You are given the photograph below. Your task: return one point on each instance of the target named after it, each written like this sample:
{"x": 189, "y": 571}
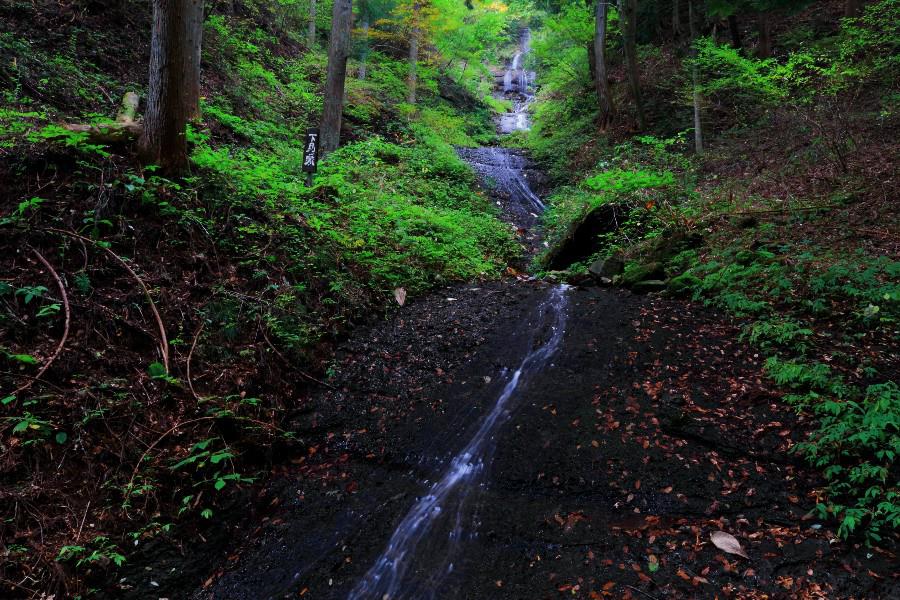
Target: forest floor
{"x": 652, "y": 428}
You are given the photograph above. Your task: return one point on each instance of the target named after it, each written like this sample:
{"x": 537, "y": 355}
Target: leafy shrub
{"x": 857, "y": 445}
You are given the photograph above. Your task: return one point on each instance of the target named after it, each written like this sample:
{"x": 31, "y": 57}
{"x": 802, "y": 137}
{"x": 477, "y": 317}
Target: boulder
{"x": 584, "y": 238}
{"x": 635, "y": 272}
{"x": 607, "y": 267}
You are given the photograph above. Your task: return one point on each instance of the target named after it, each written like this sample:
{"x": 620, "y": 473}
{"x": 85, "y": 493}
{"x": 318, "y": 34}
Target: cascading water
{"x": 404, "y": 570}
{"x": 517, "y": 87}
{"x": 407, "y": 568}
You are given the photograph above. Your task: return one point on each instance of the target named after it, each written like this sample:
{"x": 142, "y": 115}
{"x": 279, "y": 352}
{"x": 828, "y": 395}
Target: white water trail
{"x": 387, "y": 578}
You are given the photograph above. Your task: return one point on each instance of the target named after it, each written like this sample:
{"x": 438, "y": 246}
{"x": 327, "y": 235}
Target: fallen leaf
{"x": 727, "y": 543}
{"x": 400, "y": 296}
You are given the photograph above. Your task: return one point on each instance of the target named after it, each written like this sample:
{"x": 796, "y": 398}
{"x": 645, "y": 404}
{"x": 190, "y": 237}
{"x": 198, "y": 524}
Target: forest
{"x": 449, "y": 299}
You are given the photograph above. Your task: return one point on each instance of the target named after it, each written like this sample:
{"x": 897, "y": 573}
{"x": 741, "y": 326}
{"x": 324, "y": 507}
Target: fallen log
{"x": 125, "y": 128}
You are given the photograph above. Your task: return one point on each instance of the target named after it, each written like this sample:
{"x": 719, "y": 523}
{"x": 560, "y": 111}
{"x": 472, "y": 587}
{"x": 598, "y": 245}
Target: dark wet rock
{"x": 583, "y": 238}
{"x": 648, "y": 285}
{"x": 608, "y": 267}
{"x": 635, "y": 272}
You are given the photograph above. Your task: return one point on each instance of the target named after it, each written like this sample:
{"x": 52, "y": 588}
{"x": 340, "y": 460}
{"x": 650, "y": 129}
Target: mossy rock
{"x": 635, "y": 272}
{"x": 683, "y": 284}
{"x": 649, "y": 285}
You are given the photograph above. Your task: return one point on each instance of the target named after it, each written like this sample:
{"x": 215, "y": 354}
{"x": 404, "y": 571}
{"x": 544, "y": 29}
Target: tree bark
{"x": 311, "y": 31}
{"x": 412, "y": 80}
{"x": 163, "y": 141}
{"x": 735, "y": 30}
{"x": 338, "y": 52}
{"x": 695, "y": 76}
{"x": 601, "y": 79}
{"x": 194, "y": 29}
{"x": 764, "y": 49}
{"x": 364, "y": 57}
{"x": 592, "y": 58}
{"x": 676, "y": 19}
{"x": 628, "y": 12}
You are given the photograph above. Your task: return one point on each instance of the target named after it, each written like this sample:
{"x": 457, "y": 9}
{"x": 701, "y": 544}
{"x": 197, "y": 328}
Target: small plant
{"x": 99, "y": 550}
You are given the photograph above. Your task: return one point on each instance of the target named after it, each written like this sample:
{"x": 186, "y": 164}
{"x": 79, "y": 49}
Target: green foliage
{"x": 857, "y": 445}
{"x": 99, "y": 550}
{"x": 625, "y": 183}
{"x": 745, "y": 84}
{"x": 779, "y": 333}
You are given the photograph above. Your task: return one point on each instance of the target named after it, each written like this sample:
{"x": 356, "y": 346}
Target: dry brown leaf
{"x": 727, "y": 543}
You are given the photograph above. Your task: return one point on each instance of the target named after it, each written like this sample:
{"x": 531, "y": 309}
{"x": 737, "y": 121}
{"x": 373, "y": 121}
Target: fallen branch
{"x": 65, "y": 335}
{"x": 785, "y": 209}
{"x": 124, "y": 129}
{"x": 164, "y": 341}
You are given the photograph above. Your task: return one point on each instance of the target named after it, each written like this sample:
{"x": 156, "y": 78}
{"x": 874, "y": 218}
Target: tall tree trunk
{"x": 601, "y": 79}
{"x": 412, "y": 80}
{"x": 628, "y": 10}
{"x": 695, "y": 76}
{"x": 311, "y": 31}
{"x": 734, "y": 28}
{"x": 338, "y": 52}
{"x": 764, "y": 49}
{"x": 676, "y": 19}
{"x": 592, "y": 57}
{"x": 364, "y": 57}
{"x": 163, "y": 141}
{"x": 194, "y": 26}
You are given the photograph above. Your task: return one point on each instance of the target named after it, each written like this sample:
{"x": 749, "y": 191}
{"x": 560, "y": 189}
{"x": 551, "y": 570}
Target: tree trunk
{"x": 734, "y": 28}
{"x": 695, "y": 76}
{"x": 365, "y": 49}
{"x": 592, "y": 58}
{"x": 311, "y": 31}
{"x": 764, "y": 49}
{"x": 601, "y": 80}
{"x": 412, "y": 80}
{"x": 338, "y": 52}
{"x": 628, "y": 11}
{"x": 163, "y": 141}
{"x": 676, "y": 19}
{"x": 194, "y": 26}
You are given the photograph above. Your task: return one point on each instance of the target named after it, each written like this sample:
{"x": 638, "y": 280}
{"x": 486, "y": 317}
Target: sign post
{"x": 310, "y": 154}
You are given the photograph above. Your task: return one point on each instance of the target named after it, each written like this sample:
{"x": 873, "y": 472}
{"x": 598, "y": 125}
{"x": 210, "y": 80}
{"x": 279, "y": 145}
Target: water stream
{"x": 421, "y": 552}
{"x": 406, "y": 569}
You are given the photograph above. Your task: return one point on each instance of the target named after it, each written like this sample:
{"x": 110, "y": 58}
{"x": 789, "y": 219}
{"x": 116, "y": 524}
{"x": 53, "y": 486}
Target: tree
{"x": 174, "y": 83}
{"x": 628, "y": 14}
{"x": 695, "y": 77}
{"x": 338, "y": 53}
{"x": 412, "y": 80}
{"x": 194, "y": 29}
{"x": 364, "y": 10}
{"x": 311, "y": 31}
{"x": 601, "y": 79}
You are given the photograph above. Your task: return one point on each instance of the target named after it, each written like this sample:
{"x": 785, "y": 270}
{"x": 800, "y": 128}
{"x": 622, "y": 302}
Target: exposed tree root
{"x": 164, "y": 341}
{"x": 65, "y": 335}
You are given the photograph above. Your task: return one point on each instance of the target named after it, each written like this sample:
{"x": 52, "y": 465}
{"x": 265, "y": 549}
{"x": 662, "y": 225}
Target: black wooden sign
{"x": 311, "y": 151}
